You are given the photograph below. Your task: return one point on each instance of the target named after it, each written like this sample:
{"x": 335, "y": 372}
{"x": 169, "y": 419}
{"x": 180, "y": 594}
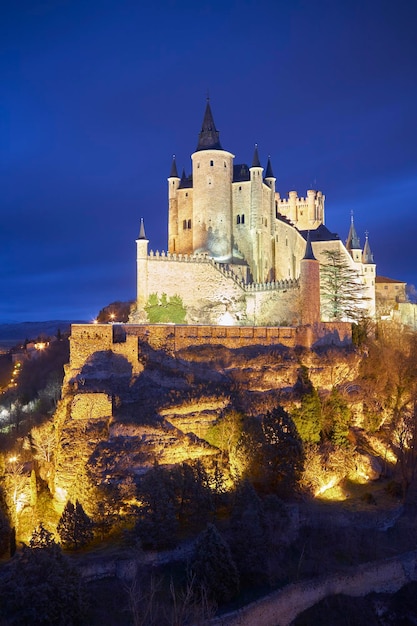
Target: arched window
{"x": 184, "y": 224}
{"x": 189, "y": 223}
{"x": 211, "y": 163}
{"x": 243, "y": 218}
{"x": 238, "y": 219}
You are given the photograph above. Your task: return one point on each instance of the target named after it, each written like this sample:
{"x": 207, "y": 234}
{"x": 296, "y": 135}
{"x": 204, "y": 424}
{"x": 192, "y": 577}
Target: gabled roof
{"x": 385, "y": 279}
{"x": 208, "y": 138}
{"x": 240, "y": 173}
{"x": 321, "y": 233}
{"x": 186, "y": 182}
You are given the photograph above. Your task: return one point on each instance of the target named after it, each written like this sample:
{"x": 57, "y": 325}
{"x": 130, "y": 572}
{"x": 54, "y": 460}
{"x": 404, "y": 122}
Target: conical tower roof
{"x": 269, "y": 173}
{"x": 309, "y": 254}
{"x": 255, "y": 161}
{"x": 174, "y": 172}
{"x": 367, "y": 256}
{"x": 208, "y": 138}
{"x": 352, "y": 242}
{"x": 142, "y": 230}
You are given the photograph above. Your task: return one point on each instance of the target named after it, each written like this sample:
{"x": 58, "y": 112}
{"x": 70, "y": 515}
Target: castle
{"x": 238, "y": 252}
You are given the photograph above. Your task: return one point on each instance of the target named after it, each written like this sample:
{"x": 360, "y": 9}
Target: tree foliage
{"x": 212, "y": 566}
{"x": 75, "y": 528}
{"x": 248, "y": 540}
{"x": 270, "y": 452}
{"x": 308, "y": 417}
{"x": 115, "y": 312}
{"x": 163, "y": 309}
{"x": 342, "y": 293}
{"x": 40, "y": 587}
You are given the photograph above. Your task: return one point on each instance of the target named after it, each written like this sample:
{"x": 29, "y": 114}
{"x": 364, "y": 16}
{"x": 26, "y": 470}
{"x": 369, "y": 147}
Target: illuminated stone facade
{"x": 236, "y": 247}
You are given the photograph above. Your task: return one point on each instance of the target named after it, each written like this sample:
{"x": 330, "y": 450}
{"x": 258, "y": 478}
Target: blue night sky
{"x": 97, "y": 95}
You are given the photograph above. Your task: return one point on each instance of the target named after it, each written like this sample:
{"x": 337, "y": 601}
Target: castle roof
{"x": 208, "y": 138}
{"x": 309, "y": 254}
{"x": 367, "y": 256}
{"x": 385, "y": 279}
{"x": 269, "y": 173}
{"x": 240, "y": 173}
{"x": 186, "y": 182}
{"x": 321, "y": 233}
{"x": 174, "y": 172}
{"x": 352, "y": 242}
{"x": 142, "y": 230}
{"x": 255, "y": 161}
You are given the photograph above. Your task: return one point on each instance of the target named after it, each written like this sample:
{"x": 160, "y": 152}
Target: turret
{"x": 212, "y": 195}
{"x": 367, "y": 256}
{"x": 256, "y": 180}
{"x": 309, "y": 286}
{"x": 173, "y": 184}
{"x": 270, "y": 180}
{"x": 142, "y": 267}
{"x": 353, "y": 244}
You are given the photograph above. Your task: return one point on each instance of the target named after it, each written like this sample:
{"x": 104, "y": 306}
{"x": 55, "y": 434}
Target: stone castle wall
{"x": 124, "y": 339}
{"x": 210, "y": 291}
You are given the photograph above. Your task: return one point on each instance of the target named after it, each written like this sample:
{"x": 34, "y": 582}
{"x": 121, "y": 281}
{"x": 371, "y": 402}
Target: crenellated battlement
{"x": 225, "y": 269}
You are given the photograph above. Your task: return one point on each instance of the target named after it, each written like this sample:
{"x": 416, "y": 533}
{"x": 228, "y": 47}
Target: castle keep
{"x": 238, "y": 252}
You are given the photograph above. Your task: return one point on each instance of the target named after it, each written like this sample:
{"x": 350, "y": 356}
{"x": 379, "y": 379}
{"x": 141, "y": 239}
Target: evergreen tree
{"x": 40, "y": 587}
{"x": 270, "y": 452}
{"x": 337, "y": 419}
{"x": 42, "y": 538}
{"x": 157, "y": 523}
{"x": 74, "y": 527}
{"x": 308, "y": 418}
{"x": 342, "y": 293}
{"x": 248, "y": 540}
{"x": 212, "y": 567}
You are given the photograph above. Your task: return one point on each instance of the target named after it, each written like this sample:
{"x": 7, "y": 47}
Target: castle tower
{"x": 309, "y": 286}
{"x": 173, "y": 184}
{"x": 270, "y": 180}
{"x": 353, "y": 244}
{"x": 142, "y": 267}
{"x": 212, "y": 193}
{"x": 369, "y": 274}
{"x": 256, "y": 182}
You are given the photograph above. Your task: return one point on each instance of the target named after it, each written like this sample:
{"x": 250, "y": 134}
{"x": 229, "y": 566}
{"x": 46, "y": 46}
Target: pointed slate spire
{"x": 352, "y": 242}
{"x": 255, "y": 161}
{"x": 367, "y": 256}
{"x": 309, "y": 254}
{"x": 208, "y": 138}
{"x": 174, "y": 172}
{"x": 142, "y": 230}
{"x": 269, "y": 173}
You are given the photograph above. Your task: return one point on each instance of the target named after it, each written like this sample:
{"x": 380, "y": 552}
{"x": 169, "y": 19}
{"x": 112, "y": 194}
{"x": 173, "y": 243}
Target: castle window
{"x": 286, "y": 241}
{"x": 238, "y": 219}
{"x": 198, "y": 166}
{"x": 211, "y": 163}
{"x": 243, "y": 218}
{"x": 225, "y": 164}
{"x": 186, "y": 195}
{"x": 184, "y": 224}
{"x": 266, "y": 222}
{"x": 189, "y": 224}
{"x": 240, "y": 188}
